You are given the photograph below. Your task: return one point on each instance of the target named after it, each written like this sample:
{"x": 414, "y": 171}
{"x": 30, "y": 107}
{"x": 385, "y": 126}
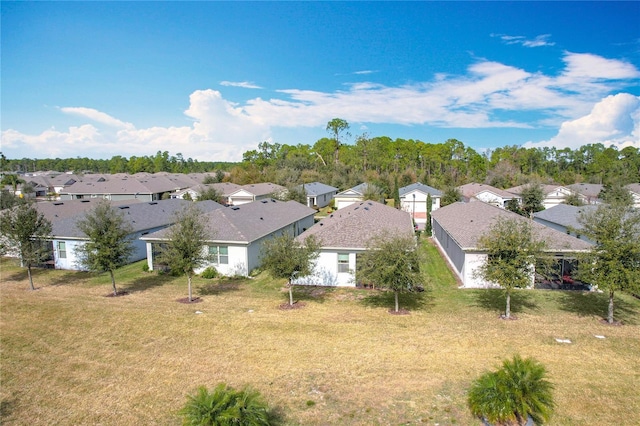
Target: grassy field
{"x": 72, "y": 356}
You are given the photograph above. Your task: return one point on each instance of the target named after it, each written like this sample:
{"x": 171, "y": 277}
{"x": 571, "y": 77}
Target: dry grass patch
{"x": 72, "y": 356}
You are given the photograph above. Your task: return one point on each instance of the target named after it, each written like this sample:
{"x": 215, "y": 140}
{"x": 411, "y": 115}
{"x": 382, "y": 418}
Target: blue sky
{"x": 211, "y": 80}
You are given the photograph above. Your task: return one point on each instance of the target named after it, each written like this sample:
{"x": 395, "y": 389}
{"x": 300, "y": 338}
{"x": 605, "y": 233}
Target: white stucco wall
{"x": 326, "y": 270}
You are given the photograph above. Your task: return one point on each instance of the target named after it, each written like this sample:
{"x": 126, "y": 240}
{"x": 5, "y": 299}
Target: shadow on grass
{"x": 146, "y": 282}
{"x": 408, "y": 301}
{"x": 586, "y": 304}
{"x": 218, "y": 287}
{"x": 71, "y": 277}
{"x": 496, "y": 300}
{"x": 305, "y": 293}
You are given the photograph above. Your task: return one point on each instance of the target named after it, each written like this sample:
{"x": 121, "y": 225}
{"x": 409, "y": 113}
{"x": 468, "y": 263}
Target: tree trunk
{"x": 610, "y": 311}
{"x": 290, "y": 293}
{"x": 396, "y": 297}
{"x": 113, "y": 283}
{"x": 30, "y": 277}
{"x": 507, "y": 312}
{"x": 189, "y": 281}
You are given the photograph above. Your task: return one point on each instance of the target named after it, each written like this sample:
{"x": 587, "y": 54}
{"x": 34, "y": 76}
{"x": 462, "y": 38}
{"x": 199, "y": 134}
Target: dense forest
{"x": 382, "y": 161}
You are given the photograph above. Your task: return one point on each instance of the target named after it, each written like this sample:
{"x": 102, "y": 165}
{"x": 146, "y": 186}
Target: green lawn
{"x": 71, "y": 355}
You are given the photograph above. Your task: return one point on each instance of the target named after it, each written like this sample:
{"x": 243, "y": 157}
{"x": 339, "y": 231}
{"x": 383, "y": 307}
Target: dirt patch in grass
{"x": 612, "y": 324}
{"x": 289, "y": 307}
{"x": 118, "y": 293}
{"x": 399, "y": 312}
{"x": 186, "y": 300}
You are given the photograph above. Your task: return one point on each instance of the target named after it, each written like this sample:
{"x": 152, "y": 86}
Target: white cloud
{"x": 95, "y": 115}
{"x": 538, "y": 41}
{"x": 223, "y": 130}
{"x": 243, "y": 84}
{"x": 614, "y": 121}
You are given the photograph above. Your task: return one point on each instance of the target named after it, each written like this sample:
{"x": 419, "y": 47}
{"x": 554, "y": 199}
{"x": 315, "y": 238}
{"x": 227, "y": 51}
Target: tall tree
{"x": 185, "y": 249}
{"x": 393, "y": 263}
{"x": 284, "y": 257}
{"x": 109, "y": 246}
{"x": 512, "y": 252}
{"x": 336, "y": 127}
{"x": 26, "y": 231}
{"x": 613, "y": 263}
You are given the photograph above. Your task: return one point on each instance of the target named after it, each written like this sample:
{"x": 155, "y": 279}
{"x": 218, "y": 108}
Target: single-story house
{"x": 144, "y": 218}
{"x": 318, "y": 194}
{"x": 345, "y": 234}
{"x": 590, "y": 191}
{"x": 564, "y": 218}
{"x": 413, "y": 199}
{"x": 236, "y": 234}
{"x": 487, "y": 194}
{"x": 553, "y": 194}
{"x": 225, "y": 189}
{"x": 127, "y": 187}
{"x": 254, "y": 192}
{"x": 355, "y": 195}
{"x": 458, "y": 227}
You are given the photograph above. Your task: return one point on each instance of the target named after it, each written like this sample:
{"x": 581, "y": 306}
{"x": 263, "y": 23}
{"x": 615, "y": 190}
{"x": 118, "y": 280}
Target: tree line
{"x": 339, "y": 161}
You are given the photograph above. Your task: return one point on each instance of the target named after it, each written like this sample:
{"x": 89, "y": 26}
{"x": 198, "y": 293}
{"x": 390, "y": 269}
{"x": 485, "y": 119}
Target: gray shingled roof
{"x": 546, "y": 189}
{"x": 564, "y": 215}
{"x": 634, "y": 187}
{"x": 419, "y": 187}
{"x": 140, "y": 215}
{"x": 317, "y": 188}
{"x": 472, "y": 189}
{"x": 591, "y": 190}
{"x": 467, "y": 222}
{"x": 248, "y": 222}
{"x": 353, "y": 226}
{"x": 258, "y": 189}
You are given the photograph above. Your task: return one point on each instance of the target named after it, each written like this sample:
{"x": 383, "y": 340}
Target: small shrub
{"x": 512, "y": 394}
{"x": 225, "y": 406}
{"x": 209, "y": 273}
{"x": 145, "y": 267}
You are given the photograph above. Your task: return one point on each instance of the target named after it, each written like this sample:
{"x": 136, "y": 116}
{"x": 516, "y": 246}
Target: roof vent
{"x": 58, "y": 204}
{"x": 235, "y": 208}
{"x": 366, "y": 208}
{"x": 153, "y": 203}
{"x": 123, "y": 207}
{"x": 84, "y": 201}
{"x": 264, "y": 201}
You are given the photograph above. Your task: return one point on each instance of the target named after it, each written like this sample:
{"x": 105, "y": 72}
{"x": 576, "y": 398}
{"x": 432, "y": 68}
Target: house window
{"x": 219, "y": 254}
{"x": 343, "y": 262}
{"x": 62, "y": 249}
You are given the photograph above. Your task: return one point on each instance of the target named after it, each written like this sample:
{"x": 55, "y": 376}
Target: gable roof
{"x": 591, "y": 190}
{"x": 357, "y": 190}
{"x": 258, "y": 189}
{"x": 354, "y": 225}
{"x": 140, "y": 215}
{"x": 419, "y": 187}
{"x": 472, "y": 189}
{"x": 467, "y": 222}
{"x": 546, "y": 189}
{"x": 316, "y": 188}
{"x": 248, "y": 222}
{"x": 564, "y": 215}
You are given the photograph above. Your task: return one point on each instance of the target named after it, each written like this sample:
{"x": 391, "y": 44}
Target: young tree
{"x": 532, "y": 197}
{"x": 613, "y": 263}
{"x": 615, "y": 194}
{"x": 573, "y": 199}
{"x": 450, "y": 195}
{"x": 392, "y": 262}
{"x": 109, "y": 246}
{"x": 512, "y": 252}
{"x": 12, "y": 180}
{"x": 185, "y": 249}
{"x": 284, "y": 257}
{"x": 513, "y": 394}
{"x": 210, "y": 194}
{"x": 26, "y": 231}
